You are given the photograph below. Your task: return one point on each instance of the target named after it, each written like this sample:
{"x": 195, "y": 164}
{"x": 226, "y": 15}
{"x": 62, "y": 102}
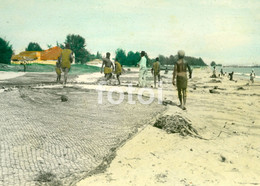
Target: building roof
{"x": 51, "y": 53}
{"x": 26, "y": 55}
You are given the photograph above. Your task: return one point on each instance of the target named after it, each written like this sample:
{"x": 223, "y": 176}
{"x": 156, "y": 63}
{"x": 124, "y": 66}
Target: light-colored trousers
{"x": 142, "y": 77}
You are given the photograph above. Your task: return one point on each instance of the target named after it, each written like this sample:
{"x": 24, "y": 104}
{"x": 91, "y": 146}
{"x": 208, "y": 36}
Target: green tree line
{"x": 132, "y": 59}
{"x": 82, "y": 55}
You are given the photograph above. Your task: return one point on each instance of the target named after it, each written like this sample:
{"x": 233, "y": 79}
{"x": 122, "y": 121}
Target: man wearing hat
{"x": 180, "y": 70}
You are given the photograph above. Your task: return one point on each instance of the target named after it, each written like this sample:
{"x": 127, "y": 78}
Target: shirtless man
{"x": 118, "y": 70}
{"x": 109, "y": 66}
{"x": 156, "y": 71}
{"x": 180, "y": 70}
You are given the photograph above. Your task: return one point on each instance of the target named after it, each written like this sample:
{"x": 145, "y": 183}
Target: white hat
{"x": 181, "y": 53}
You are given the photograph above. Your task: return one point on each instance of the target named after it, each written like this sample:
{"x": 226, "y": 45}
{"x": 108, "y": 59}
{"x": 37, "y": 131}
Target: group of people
{"x": 109, "y": 68}
{"x": 179, "y": 71}
{"x": 231, "y": 74}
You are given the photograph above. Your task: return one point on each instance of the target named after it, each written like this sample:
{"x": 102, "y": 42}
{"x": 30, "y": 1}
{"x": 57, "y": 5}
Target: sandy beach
{"x": 229, "y": 121}
{"x": 132, "y": 151}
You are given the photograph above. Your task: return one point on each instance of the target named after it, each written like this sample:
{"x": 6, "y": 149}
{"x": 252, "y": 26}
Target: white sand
{"x": 8, "y": 75}
{"x": 231, "y": 156}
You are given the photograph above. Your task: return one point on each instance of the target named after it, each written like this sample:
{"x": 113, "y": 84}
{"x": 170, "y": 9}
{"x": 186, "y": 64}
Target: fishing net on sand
{"x": 176, "y": 124}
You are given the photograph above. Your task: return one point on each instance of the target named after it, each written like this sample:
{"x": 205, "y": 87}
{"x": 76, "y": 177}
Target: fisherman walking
{"x": 180, "y": 70}
{"x": 156, "y": 72}
{"x": 66, "y": 58}
{"x": 108, "y": 66}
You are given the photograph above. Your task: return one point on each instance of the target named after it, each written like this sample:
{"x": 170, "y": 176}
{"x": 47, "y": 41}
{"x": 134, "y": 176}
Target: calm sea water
{"x": 241, "y": 72}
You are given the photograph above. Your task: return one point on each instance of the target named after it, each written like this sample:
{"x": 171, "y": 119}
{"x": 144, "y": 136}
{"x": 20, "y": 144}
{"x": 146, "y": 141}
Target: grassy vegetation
{"x": 75, "y": 69}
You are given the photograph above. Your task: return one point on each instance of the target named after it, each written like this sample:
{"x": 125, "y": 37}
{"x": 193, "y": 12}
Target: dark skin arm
{"x": 102, "y": 67}
{"x": 190, "y": 71}
{"x": 71, "y": 57}
{"x": 113, "y": 68}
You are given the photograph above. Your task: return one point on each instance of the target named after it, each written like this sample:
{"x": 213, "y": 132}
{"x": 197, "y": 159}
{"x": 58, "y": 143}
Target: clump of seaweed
{"x": 176, "y": 124}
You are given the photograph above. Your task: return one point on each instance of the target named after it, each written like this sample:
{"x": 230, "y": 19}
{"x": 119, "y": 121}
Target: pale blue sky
{"x": 226, "y": 31}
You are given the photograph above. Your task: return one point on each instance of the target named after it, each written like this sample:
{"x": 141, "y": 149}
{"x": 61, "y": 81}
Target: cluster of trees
{"x": 129, "y": 59}
{"x": 6, "y": 51}
{"x": 171, "y": 60}
{"x": 33, "y": 47}
{"x": 82, "y": 55}
{"x": 132, "y": 58}
{"x": 77, "y": 45}
{"x": 213, "y": 63}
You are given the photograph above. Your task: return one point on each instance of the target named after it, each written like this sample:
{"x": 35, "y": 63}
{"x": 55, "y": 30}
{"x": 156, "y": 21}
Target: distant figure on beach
{"x": 118, "y": 70}
{"x": 142, "y": 70}
{"x": 166, "y": 71}
{"x": 252, "y": 76}
{"x": 214, "y": 72}
{"x": 66, "y": 58}
{"x": 221, "y": 72}
{"x": 58, "y": 71}
{"x": 123, "y": 70}
{"x": 24, "y": 64}
{"x": 231, "y": 75}
{"x": 156, "y": 71}
{"x": 180, "y": 70}
{"x": 109, "y": 67}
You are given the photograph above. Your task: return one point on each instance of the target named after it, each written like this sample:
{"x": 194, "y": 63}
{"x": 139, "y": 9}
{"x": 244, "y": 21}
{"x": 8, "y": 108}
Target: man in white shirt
{"x": 142, "y": 70}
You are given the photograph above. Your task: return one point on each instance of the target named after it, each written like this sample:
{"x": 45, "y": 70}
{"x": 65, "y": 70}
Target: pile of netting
{"x": 176, "y": 124}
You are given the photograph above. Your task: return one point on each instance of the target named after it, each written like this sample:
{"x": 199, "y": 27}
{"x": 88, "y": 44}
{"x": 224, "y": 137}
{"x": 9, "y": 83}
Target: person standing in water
{"x": 231, "y": 76}
{"x": 180, "y": 71}
{"x": 252, "y": 76}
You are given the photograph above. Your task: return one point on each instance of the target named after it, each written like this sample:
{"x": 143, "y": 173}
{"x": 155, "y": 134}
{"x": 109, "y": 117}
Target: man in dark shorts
{"x": 180, "y": 70}
{"x": 156, "y": 71}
